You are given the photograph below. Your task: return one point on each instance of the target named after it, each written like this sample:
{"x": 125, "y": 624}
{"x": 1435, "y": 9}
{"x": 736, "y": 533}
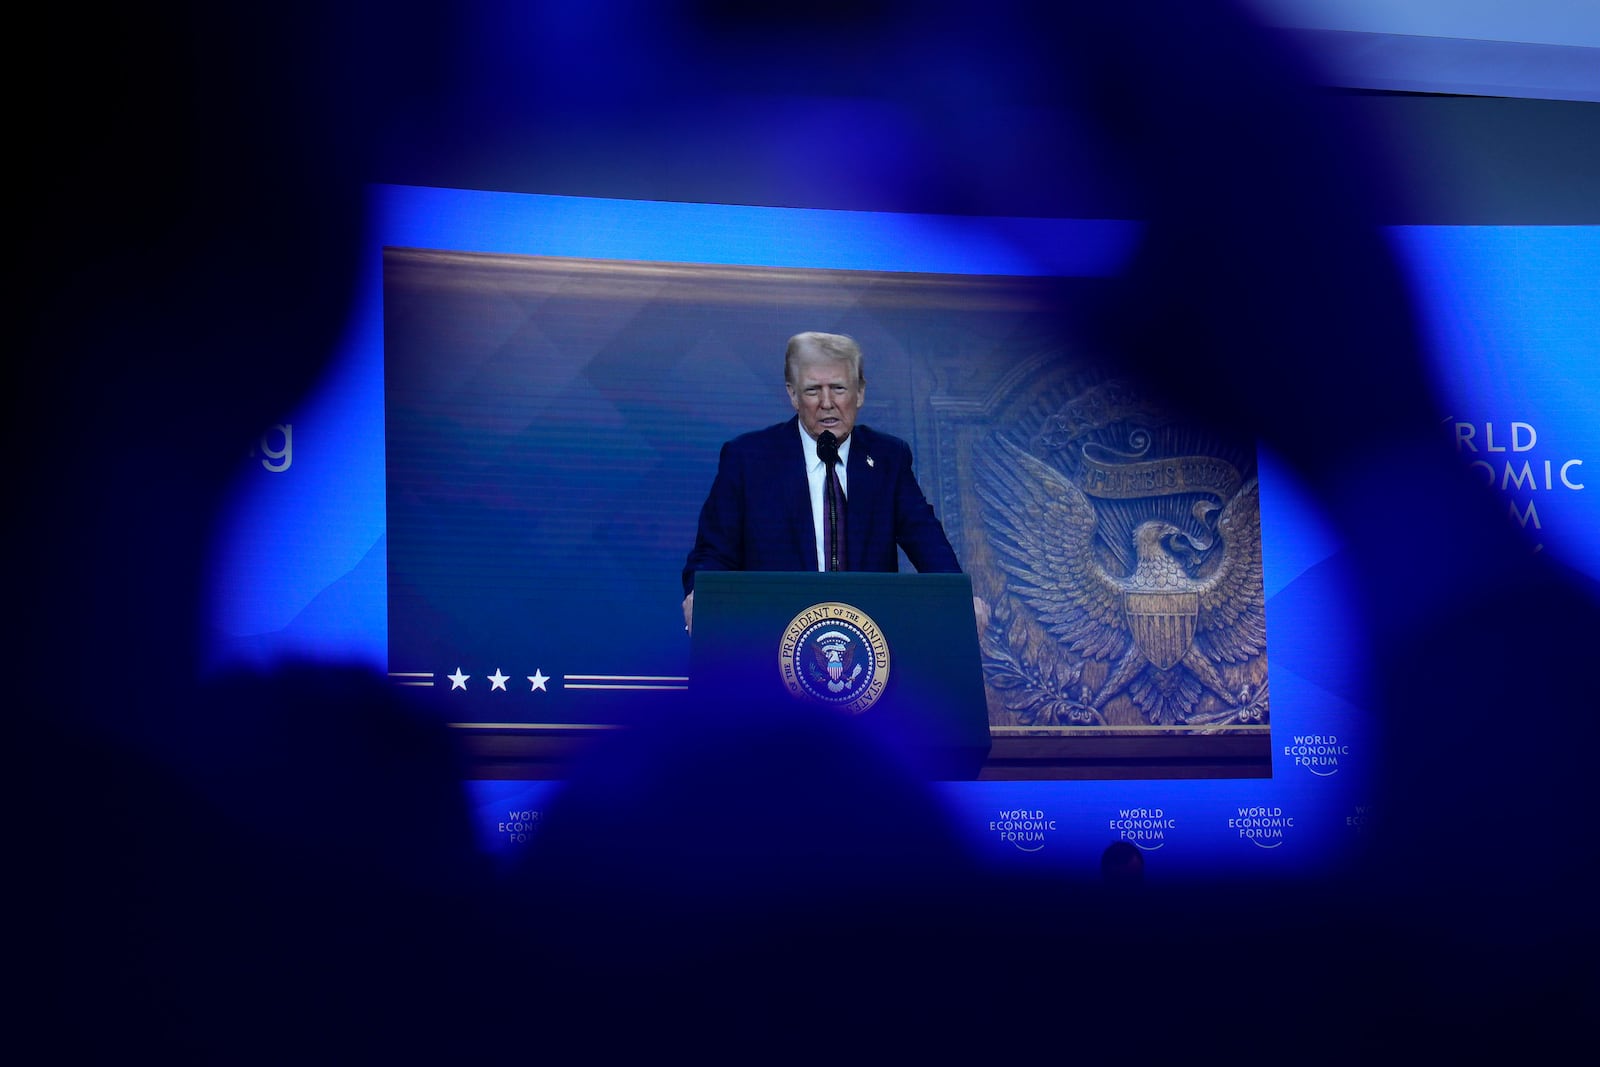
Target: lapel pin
{"x": 869, "y": 461}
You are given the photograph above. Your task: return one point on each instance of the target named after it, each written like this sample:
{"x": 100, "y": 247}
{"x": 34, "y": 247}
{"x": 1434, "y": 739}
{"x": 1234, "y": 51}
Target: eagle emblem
{"x": 1162, "y": 630}
{"x": 835, "y": 654}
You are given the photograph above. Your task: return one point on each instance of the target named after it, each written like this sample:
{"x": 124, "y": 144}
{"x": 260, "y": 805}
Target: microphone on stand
{"x": 832, "y": 503}
{"x": 827, "y": 447}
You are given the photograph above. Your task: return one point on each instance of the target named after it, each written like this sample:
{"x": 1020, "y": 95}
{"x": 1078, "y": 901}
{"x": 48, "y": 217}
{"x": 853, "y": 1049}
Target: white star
{"x": 538, "y": 678}
{"x": 458, "y": 680}
{"x": 498, "y": 681}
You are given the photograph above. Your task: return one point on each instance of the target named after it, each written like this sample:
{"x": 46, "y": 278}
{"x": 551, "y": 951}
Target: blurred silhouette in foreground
{"x": 1122, "y": 864}
{"x": 267, "y": 864}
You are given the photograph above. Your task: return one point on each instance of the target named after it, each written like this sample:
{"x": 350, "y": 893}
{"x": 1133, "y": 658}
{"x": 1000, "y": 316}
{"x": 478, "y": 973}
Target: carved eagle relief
{"x": 1187, "y": 605}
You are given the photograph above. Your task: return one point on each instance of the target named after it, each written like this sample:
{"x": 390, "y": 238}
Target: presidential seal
{"x": 835, "y": 654}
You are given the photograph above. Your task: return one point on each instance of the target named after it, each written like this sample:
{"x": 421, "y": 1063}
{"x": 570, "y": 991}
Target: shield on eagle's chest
{"x": 1162, "y": 625}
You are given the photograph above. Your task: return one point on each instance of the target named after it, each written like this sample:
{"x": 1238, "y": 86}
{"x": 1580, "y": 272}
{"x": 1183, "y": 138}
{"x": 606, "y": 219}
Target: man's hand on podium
{"x": 688, "y": 613}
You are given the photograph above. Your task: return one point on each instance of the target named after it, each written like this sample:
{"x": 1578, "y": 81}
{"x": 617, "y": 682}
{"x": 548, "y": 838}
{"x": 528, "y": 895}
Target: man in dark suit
{"x": 766, "y": 508}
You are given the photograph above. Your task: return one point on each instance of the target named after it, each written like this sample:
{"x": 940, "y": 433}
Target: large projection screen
{"x": 501, "y": 477}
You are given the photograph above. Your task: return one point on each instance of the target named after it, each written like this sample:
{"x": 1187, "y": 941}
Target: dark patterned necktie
{"x": 833, "y": 504}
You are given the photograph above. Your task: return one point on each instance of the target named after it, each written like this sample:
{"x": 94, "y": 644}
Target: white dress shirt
{"x": 816, "y": 472}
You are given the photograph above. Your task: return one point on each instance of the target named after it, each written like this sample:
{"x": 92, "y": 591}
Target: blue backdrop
{"x": 301, "y": 565}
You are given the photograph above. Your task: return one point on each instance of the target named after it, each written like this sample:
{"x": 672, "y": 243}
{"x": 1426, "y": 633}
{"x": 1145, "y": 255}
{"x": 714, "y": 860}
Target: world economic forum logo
{"x": 835, "y": 654}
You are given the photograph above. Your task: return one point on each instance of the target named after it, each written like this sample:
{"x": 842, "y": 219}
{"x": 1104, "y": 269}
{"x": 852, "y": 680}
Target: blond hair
{"x": 825, "y": 345}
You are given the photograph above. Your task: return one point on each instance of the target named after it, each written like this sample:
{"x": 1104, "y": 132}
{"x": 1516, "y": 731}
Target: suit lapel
{"x": 796, "y": 491}
{"x": 862, "y": 491}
